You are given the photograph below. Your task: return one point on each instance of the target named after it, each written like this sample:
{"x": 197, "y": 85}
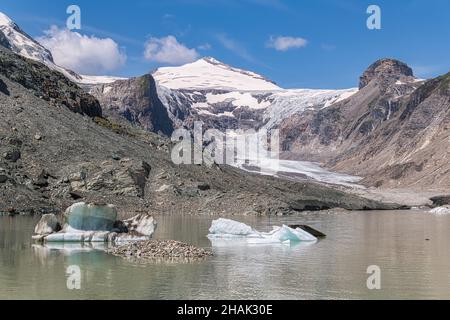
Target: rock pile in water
{"x": 160, "y": 249}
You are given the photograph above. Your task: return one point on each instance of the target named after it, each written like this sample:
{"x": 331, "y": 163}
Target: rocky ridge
{"x": 394, "y": 131}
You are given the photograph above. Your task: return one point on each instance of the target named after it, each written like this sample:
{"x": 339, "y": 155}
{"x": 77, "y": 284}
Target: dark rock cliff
{"x": 47, "y": 84}
{"x": 137, "y": 100}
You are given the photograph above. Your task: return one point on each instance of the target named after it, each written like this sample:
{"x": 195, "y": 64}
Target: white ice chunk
{"x": 229, "y": 229}
{"x": 440, "y": 210}
{"x": 285, "y": 233}
{"x": 91, "y": 217}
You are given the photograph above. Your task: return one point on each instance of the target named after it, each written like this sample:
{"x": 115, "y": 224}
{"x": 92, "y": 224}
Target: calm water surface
{"x": 334, "y": 268}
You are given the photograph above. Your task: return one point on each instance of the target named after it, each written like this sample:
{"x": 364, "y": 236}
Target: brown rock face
{"x": 385, "y": 69}
{"x": 47, "y": 84}
{"x": 394, "y": 132}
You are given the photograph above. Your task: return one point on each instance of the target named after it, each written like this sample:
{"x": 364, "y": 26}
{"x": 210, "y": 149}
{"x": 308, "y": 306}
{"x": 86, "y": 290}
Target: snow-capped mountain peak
{"x": 5, "y": 20}
{"x": 210, "y": 73}
{"x": 15, "y": 39}
{"x": 21, "y": 43}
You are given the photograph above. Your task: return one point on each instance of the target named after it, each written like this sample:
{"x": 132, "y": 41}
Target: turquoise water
{"x": 333, "y": 268}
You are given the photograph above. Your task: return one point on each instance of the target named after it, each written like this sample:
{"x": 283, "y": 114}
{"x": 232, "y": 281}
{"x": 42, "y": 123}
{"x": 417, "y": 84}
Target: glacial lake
{"x": 334, "y": 268}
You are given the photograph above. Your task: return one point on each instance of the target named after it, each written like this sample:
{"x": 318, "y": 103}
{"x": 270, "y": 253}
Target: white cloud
{"x": 169, "y": 50}
{"x": 235, "y": 47}
{"x": 205, "y": 46}
{"x": 83, "y": 54}
{"x": 428, "y": 71}
{"x": 286, "y": 43}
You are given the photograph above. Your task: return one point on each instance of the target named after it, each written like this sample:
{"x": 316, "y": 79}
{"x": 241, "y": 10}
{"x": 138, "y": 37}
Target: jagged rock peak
{"x": 385, "y": 69}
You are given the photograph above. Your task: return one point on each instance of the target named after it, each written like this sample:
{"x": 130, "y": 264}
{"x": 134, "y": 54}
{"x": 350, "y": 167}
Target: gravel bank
{"x": 159, "y": 249}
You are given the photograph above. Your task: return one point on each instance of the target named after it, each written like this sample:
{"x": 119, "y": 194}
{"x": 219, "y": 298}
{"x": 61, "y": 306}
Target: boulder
{"x": 441, "y": 200}
{"x": 42, "y": 179}
{"x": 204, "y": 186}
{"x": 48, "y": 224}
{"x": 13, "y": 155}
{"x": 3, "y": 178}
{"x": 90, "y": 217}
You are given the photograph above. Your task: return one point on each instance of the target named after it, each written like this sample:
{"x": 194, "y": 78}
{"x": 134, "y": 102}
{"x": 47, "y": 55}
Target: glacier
{"x": 233, "y": 230}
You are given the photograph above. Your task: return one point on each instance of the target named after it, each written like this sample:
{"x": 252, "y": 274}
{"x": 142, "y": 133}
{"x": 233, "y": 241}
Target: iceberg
{"x": 93, "y": 223}
{"x": 230, "y": 229}
{"x": 91, "y": 217}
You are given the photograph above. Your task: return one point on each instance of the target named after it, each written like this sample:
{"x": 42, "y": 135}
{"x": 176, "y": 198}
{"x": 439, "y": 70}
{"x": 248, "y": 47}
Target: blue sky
{"x": 339, "y": 46}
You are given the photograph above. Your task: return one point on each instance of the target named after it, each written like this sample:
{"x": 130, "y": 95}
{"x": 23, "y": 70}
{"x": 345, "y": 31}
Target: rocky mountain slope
{"x": 55, "y": 150}
{"x": 393, "y": 127}
{"x": 394, "y": 131}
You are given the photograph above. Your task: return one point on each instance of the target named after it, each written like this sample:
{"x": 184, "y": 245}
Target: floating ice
{"x": 91, "y": 223}
{"x": 441, "y": 210}
{"x": 229, "y": 229}
{"x": 90, "y": 217}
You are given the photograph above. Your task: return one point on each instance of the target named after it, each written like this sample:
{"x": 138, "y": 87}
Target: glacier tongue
{"x": 230, "y": 229}
{"x": 286, "y": 103}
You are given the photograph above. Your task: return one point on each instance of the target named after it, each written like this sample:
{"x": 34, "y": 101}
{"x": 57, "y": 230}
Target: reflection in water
{"x": 44, "y": 252}
{"x": 333, "y": 268}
